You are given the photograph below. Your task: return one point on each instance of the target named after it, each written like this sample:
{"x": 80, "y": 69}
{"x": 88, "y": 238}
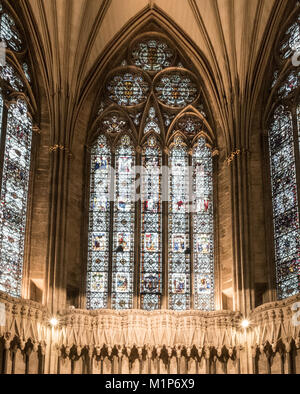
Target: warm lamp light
{"x": 245, "y": 323}
{"x": 53, "y": 322}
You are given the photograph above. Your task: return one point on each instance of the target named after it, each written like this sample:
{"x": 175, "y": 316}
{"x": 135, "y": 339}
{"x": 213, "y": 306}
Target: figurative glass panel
{"x": 9, "y": 33}
{"x": 14, "y": 195}
{"x": 179, "y": 228}
{"x": 151, "y": 227}
{"x": 99, "y": 225}
{"x": 9, "y": 74}
{"x": 123, "y": 228}
{"x": 285, "y": 204}
{"x": 203, "y": 227}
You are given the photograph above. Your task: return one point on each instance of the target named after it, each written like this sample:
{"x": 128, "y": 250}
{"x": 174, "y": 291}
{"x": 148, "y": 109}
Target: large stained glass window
{"x": 99, "y": 224}
{"x": 285, "y": 203}
{"x": 14, "y": 191}
{"x": 148, "y": 249}
{"x": 284, "y": 146}
{"x": 16, "y": 139}
{"x": 151, "y": 227}
{"x": 123, "y": 226}
{"x": 203, "y": 227}
{"x": 179, "y": 228}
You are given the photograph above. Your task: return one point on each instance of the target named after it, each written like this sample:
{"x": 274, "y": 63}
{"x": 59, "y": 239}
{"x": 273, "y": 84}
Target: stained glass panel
{"x": 1, "y": 113}
{"x": 291, "y": 40}
{"x": 189, "y": 125}
{"x": 99, "y": 225}
{"x": 123, "y": 229}
{"x": 291, "y": 83}
{"x": 152, "y": 55}
{"x": 9, "y": 74}
{"x": 285, "y": 204}
{"x": 14, "y": 191}
{"x": 128, "y": 89}
{"x": 179, "y": 228}
{"x": 114, "y": 123}
{"x": 203, "y": 228}
{"x": 151, "y": 228}
{"x": 152, "y": 122}
{"x": 9, "y": 33}
{"x": 176, "y": 89}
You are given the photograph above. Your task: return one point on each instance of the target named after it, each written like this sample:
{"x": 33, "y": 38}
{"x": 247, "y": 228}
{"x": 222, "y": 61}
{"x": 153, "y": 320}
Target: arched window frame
{"x": 19, "y": 62}
{"x": 282, "y": 95}
{"x": 166, "y": 117}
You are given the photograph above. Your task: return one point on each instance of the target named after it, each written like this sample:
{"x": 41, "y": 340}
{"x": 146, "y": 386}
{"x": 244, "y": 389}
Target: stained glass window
{"x": 179, "y": 228}
{"x": 175, "y": 269}
{"x": 176, "y": 89}
{"x": 99, "y": 225}
{"x": 152, "y": 55}
{"x": 14, "y": 190}
{"x": 128, "y": 89}
{"x": 203, "y": 227}
{"x": 123, "y": 227}
{"x": 1, "y": 113}
{"x": 151, "y": 227}
{"x": 285, "y": 204}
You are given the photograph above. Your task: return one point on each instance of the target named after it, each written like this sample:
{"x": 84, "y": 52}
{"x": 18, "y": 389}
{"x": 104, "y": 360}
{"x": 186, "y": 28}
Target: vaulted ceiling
{"x": 72, "y": 35}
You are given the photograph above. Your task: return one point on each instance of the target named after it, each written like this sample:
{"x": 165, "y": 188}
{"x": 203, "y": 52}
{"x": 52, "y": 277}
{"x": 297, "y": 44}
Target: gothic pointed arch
{"x": 282, "y": 119}
{"x": 151, "y": 261}
{"x": 18, "y": 113}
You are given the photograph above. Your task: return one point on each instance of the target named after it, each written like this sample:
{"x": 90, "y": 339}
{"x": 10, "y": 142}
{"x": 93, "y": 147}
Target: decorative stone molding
{"x": 162, "y": 335}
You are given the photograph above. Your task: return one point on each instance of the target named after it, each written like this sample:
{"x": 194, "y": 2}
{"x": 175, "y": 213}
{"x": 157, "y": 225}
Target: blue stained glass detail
{"x": 14, "y": 196}
{"x": 99, "y": 225}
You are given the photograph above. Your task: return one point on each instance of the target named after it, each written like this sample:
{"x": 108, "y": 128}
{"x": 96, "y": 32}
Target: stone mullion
{"x": 56, "y": 270}
{"x": 241, "y": 235}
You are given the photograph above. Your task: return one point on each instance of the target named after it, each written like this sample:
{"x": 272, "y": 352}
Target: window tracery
{"x": 152, "y": 93}
{"x": 16, "y": 132}
{"x": 284, "y": 156}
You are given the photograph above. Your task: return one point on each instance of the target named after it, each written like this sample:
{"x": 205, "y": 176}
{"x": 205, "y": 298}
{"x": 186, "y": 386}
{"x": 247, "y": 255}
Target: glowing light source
{"x": 53, "y": 321}
{"x": 245, "y": 323}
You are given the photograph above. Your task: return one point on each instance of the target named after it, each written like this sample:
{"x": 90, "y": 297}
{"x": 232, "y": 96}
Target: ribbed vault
{"x": 75, "y": 39}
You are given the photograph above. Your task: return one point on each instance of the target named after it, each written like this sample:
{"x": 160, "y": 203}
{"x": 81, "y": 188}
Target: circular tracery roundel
{"x": 128, "y": 88}
{"x": 152, "y": 54}
{"x": 176, "y": 89}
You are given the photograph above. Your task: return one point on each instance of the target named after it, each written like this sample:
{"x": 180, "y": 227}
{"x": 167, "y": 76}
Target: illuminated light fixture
{"x": 53, "y": 322}
{"x": 245, "y": 323}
